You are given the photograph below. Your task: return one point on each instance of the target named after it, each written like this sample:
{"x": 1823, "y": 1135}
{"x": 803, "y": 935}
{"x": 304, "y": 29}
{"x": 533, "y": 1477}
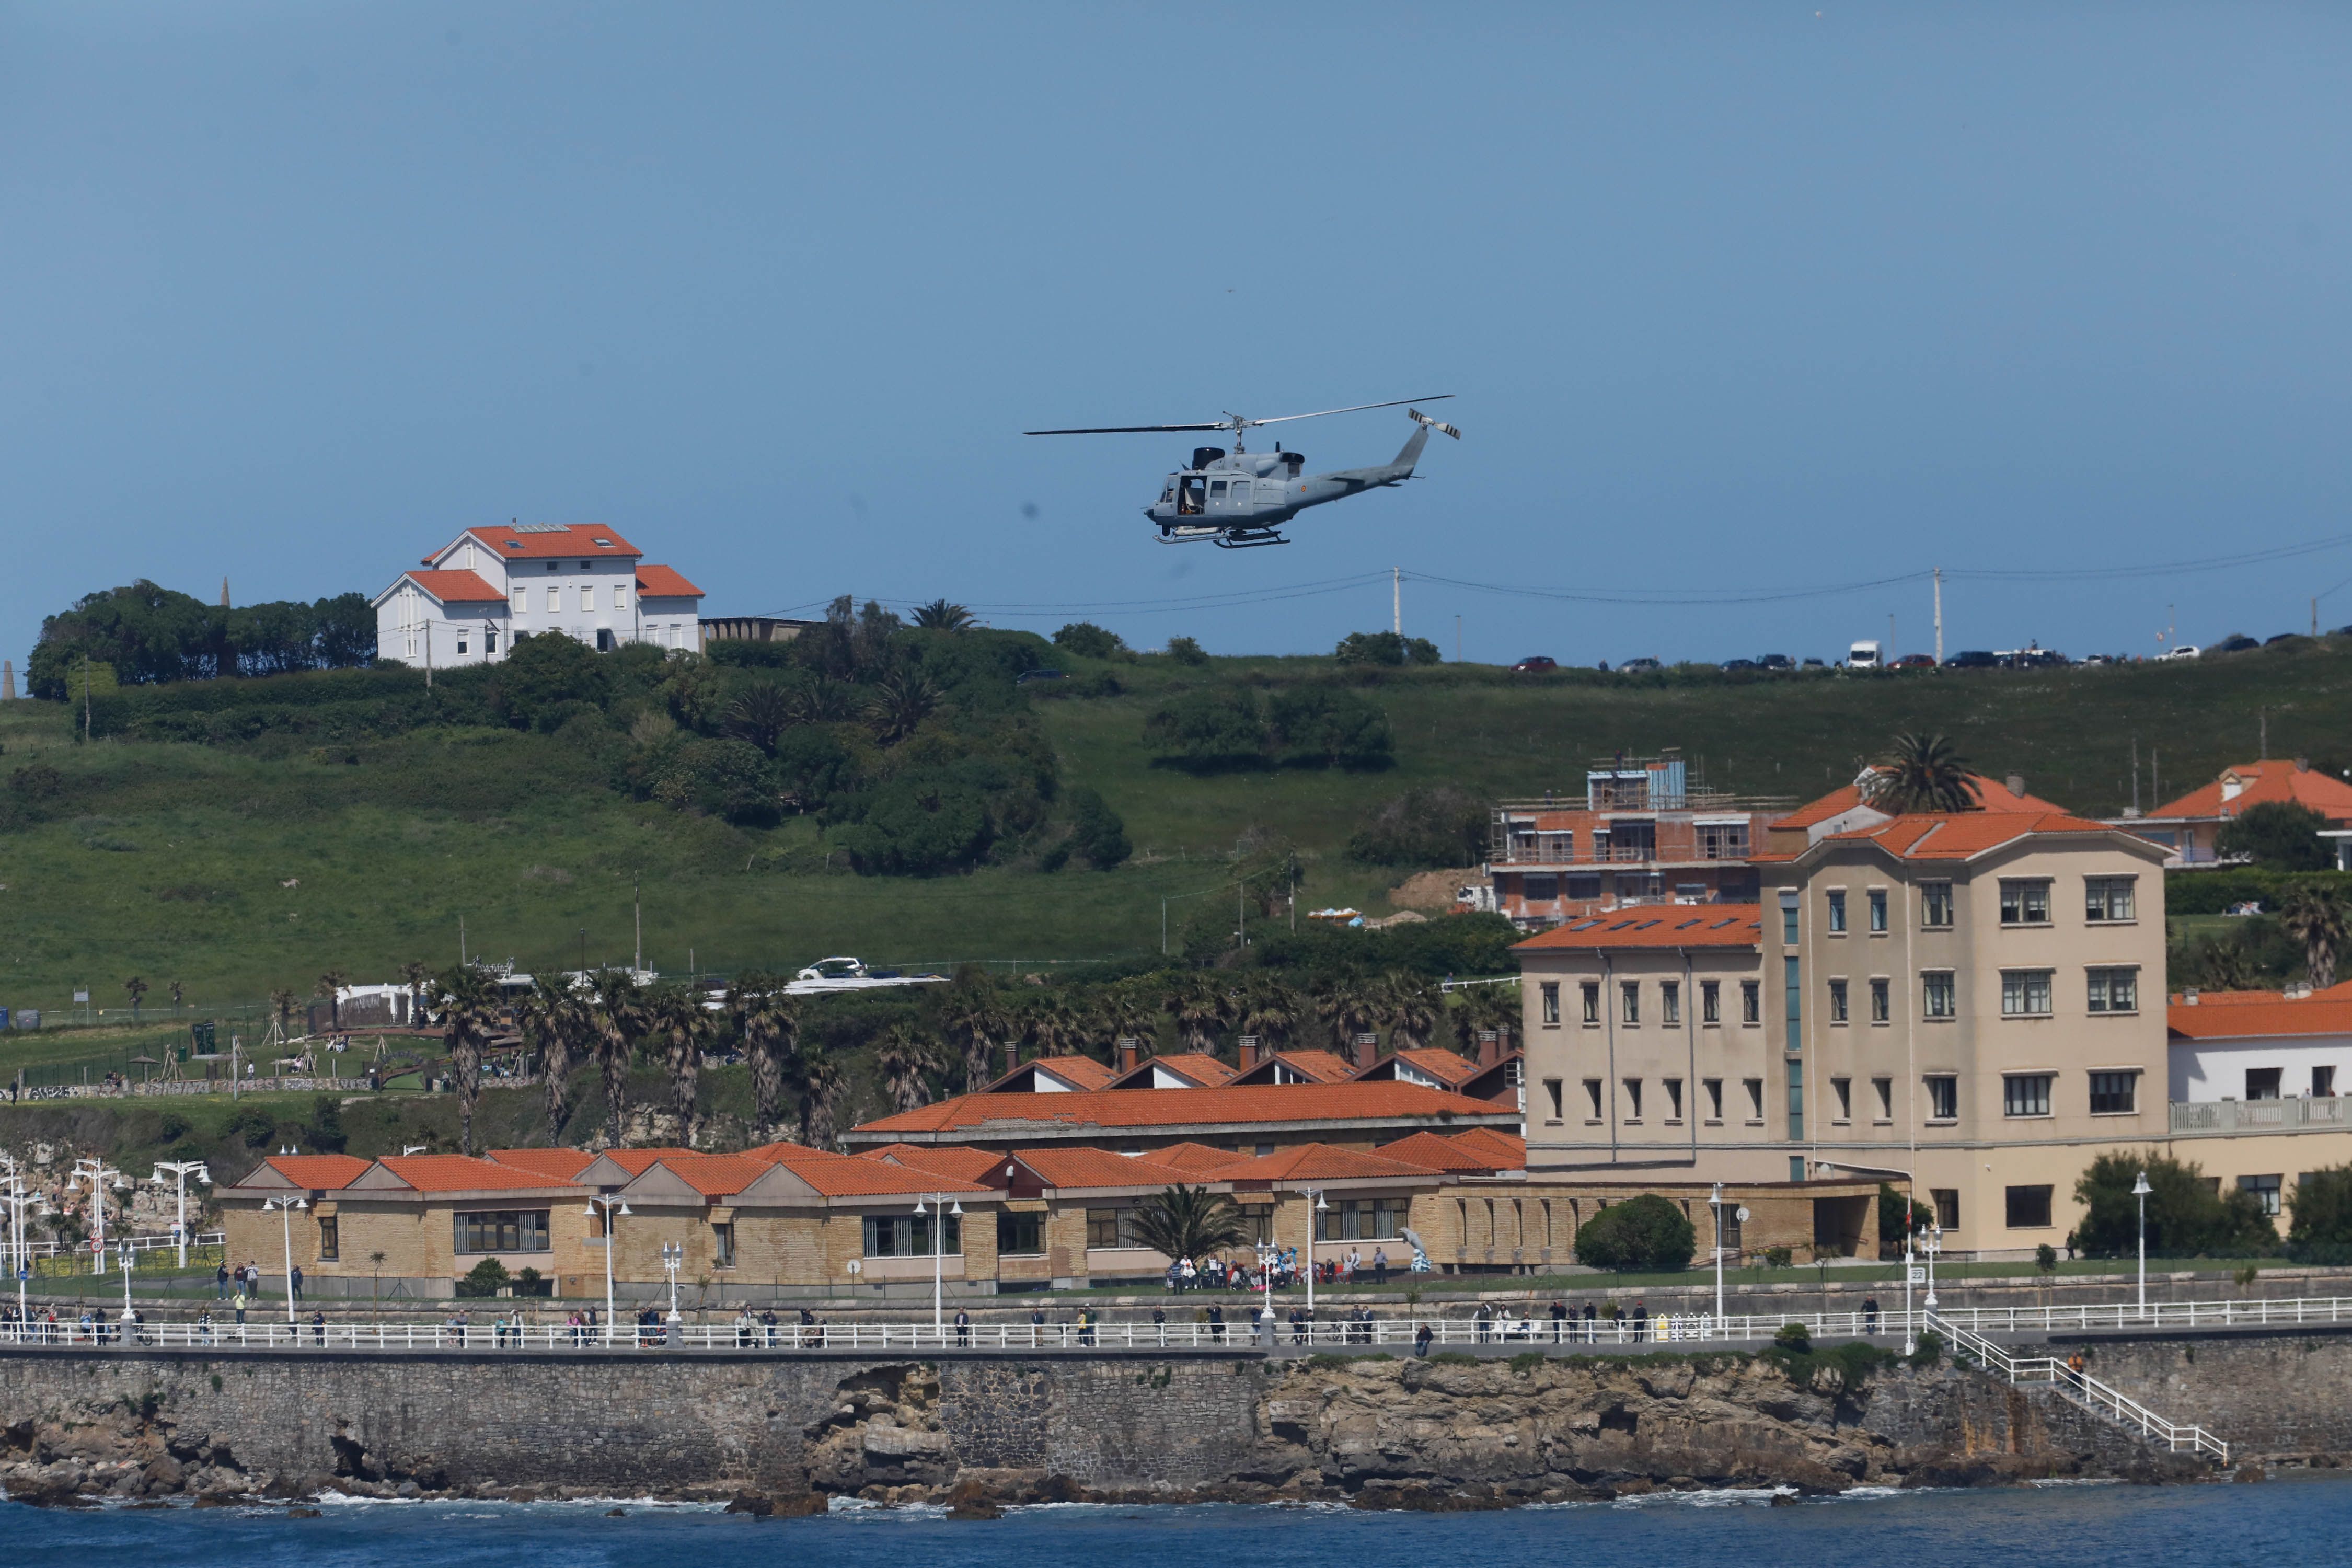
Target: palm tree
{"x": 331, "y": 986}
{"x": 1347, "y": 1012}
{"x": 762, "y": 713}
{"x": 817, "y": 700}
{"x": 820, "y": 1083}
{"x": 2313, "y": 915}
{"x": 764, "y": 1017}
{"x": 283, "y": 1000}
{"x": 1270, "y": 1012}
{"x": 901, "y": 701}
{"x": 905, "y": 1056}
{"x": 136, "y": 988}
{"x": 1408, "y": 1009}
{"x": 414, "y": 972}
{"x": 1128, "y": 1015}
{"x": 621, "y": 1023}
{"x": 678, "y": 1016}
{"x": 1200, "y": 1012}
{"x": 1922, "y": 773}
{"x": 549, "y": 1034}
{"x": 975, "y": 1015}
{"x": 1050, "y": 1025}
{"x": 470, "y": 1004}
{"x": 1187, "y": 1222}
{"x": 1482, "y": 1008}
{"x": 939, "y": 615}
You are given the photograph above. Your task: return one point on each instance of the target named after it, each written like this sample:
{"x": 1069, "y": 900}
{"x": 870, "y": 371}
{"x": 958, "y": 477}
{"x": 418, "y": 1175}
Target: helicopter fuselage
{"x": 1239, "y": 498}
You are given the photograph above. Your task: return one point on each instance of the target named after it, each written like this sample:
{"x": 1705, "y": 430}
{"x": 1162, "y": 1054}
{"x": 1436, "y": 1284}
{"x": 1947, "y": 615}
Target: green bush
{"x": 487, "y": 1278}
{"x": 2186, "y": 1218}
{"x": 1096, "y": 830}
{"x": 1329, "y": 726}
{"x": 1440, "y": 826}
{"x": 1384, "y": 647}
{"x": 1795, "y": 1337}
{"x": 1218, "y": 727}
{"x": 1642, "y": 1235}
{"x": 2278, "y": 836}
{"x": 1088, "y": 640}
{"x": 2319, "y": 1231}
{"x": 1185, "y": 650}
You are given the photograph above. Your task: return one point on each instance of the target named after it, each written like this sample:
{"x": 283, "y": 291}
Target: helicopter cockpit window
{"x": 1190, "y": 497}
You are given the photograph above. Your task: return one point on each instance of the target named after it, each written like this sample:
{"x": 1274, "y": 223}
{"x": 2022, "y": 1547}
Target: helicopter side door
{"x": 1191, "y": 495}
{"x": 1229, "y": 496}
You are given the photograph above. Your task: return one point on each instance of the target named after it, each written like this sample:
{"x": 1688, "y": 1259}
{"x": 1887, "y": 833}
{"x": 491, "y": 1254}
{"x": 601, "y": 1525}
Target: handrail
{"x": 2088, "y": 1389}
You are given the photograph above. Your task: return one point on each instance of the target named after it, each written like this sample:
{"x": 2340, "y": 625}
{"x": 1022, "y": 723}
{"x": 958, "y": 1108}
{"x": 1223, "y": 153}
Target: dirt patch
{"x": 1432, "y": 889}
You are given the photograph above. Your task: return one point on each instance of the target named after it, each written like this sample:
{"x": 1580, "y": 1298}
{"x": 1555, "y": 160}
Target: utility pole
{"x": 1940, "y": 616}
{"x": 637, "y": 905}
{"x": 1457, "y": 635}
{"x": 1396, "y": 600}
{"x": 2135, "y": 755}
{"x": 2315, "y": 615}
{"x": 1890, "y": 643}
{"x": 461, "y": 941}
{"x": 85, "y": 699}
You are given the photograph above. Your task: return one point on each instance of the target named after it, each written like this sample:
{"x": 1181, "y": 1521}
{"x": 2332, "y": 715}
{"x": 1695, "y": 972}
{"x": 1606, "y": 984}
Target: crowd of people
{"x": 1219, "y": 1273}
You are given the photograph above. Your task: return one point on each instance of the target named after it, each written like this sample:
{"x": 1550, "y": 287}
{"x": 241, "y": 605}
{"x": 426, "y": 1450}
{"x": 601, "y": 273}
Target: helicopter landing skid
{"x": 1249, "y": 539}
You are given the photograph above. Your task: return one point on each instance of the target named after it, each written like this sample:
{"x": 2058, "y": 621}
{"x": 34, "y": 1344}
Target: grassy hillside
{"x": 234, "y": 869}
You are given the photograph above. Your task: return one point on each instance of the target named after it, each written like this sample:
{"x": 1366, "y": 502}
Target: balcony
{"x": 2219, "y": 1118}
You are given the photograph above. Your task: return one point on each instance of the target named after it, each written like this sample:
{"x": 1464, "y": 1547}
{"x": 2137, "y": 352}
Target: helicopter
{"x": 1240, "y": 501}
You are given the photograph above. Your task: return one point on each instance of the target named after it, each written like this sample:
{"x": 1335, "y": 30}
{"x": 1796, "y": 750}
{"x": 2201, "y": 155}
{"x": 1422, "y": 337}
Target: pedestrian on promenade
{"x": 319, "y": 1327}
{"x": 1420, "y": 1338}
{"x": 1037, "y": 1326}
{"x": 1870, "y": 1314}
{"x": 1379, "y": 1265}
{"x": 294, "y": 1281}
{"x": 1217, "y": 1324}
{"x": 963, "y": 1327}
{"x": 1558, "y": 1319}
{"x": 1640, "y": 1321}
{"x": 220, "y": 1281}
{"x": 1485, "y": 1322}
{"x": 240, "y": 1308}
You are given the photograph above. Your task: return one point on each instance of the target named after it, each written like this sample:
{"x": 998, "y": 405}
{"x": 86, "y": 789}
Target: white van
{"x": 1863, "y": 656}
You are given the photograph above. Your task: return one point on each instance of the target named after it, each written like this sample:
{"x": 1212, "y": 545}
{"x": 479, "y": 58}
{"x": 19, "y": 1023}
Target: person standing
{"x": 1037, "y": 1326}
{"x": 294, "y": 1281}
{"x": 220, "y": 1281}
{"x": 1559, "y": 1319}
{"x": 963, "y": 1327}
{"x": 1379, "y": 1265}
{"x": 240, "y": 1307}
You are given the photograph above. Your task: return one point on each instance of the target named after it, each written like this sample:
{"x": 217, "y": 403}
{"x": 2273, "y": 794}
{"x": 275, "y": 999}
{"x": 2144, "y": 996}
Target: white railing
{"x": 10, "y": 1250}
{"x": 2293, "y": 1114}
{"x": 266, "y": 1329}
{"x": 2083, "y": 1389}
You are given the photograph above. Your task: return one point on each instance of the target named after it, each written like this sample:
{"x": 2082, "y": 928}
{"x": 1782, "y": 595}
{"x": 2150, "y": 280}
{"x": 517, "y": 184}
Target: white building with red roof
{"x": 467, "y": 602}
{"x": 2191, "y": 827}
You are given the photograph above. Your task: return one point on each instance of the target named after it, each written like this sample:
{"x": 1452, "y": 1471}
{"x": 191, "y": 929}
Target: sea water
{"x": 2277, "y": 1524}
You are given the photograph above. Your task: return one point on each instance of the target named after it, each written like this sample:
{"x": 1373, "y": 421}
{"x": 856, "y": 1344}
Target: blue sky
{"x": 1737, "y": 300}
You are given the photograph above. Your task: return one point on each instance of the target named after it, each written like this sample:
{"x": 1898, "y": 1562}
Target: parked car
{"x": 1636, "y": 666}
{"x": 2090, "y": 658}
{"x": 1775, "y": 661}
{"x": 1026, "y": 675}
{"x": 1535, "y": 664}
{"x": 2282, "y": 637}
{"x": 2236, "y": 642}
{"x": 2186, "y": 650}
{"x": 1973, "y": 659}
{"x": 1738, "y": 663}
{"x": 2034, "y": 659}
{"x": 1815, "y": 664}
{"x": 1865, "y": 655}
{"x": 1914, "y": 661}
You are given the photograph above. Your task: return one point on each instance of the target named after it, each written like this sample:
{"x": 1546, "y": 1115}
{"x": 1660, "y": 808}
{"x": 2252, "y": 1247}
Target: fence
{"x": 458, "y": 1332}
{"x": 2292, "y": 1114}
{"x": 2083, "y": 1389}
{"x": 42, "y": 1254}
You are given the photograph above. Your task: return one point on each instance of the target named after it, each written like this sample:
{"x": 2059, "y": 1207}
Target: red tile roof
{"x": 563, "y": 1164}
{"x": 1510, "y": 1146}
{"x": 457, "y": 1174}
{"x": 2259, "y": 1020}
{"x": 1656, "y": 925}
{"x": 1448, "y": 1068}
{"x": 2261, "y": 782}
{"x": 716, "y": 1175}
{"x": 1202, "y": 1068}
{"x": 1084, "y": 1072}
{"x": 665, "y": 583}
{"x": 944, "y": 1159}
{"x": 1321, "y": 1162}
{"x": 847, "y": 1176}
{"x": 1195, "y": 1158}
{"x": 1438, "y": 1154}
{"x": 457, "y": 587}
{"x": 1991, "y": 796}
{"x": 637, "y": 1162}
{"x": 1084, "y": 1167}
{"x": 1963, "y": 836}
{"x": 1007, "y": 1114}
{"x": 320, "y": 1172}
{"x": 584, "y": 540}
{"x": 1316, "y": 1066}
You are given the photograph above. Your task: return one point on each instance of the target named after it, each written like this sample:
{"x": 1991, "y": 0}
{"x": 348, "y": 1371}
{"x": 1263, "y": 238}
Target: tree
{"x": 330, "y": 987}
{"x": 136, "y": 988}
{"x": 544, "y": 674}
{"x": 2319, "y": 1231}
{"x": 904, "y": 1058}
{"x": 1440, "y": 826}
{"x": 1891, "y": 1217}
{"x": 2313, "y": 915}
{"x": 1644, "y": 1234}
{"x": 902, "y": 699}
{"x": 415, "y": 972}
{"x": 1384, "y": 647}
{"x": 760, "y": 712}
{"x": 1129, "y": 1015}
{"x": 2186, "y": 1218}
{"x": 621, "y": 1024}
{"x": 974, "y": 1017}
{"x": 1330, "y": 726}
{"x": 677, "y": 1018}
{"x": 468, "y": 1007}
{"x": 1216, "y": 728}
{"x": 554, "y": 1030}
{"x": 820, "y": 1083}
{"x": 2278, "y": 836}
{"x": 1187, "y": 650}
{"x": 281, "y": 1001}
{"x": 1097, "y": 831}
{"x": 1921, "y": 773}
{"x": 763, "y": 1016}
{"x": 1189, "y": 1222}
{"x": 1407, "y": 1006}
{"x": 1347, "y": 1011}
{"x": 1088, "y": 640}
{"x": 1271, "y": 1012}
{"x": 939, "y": 615}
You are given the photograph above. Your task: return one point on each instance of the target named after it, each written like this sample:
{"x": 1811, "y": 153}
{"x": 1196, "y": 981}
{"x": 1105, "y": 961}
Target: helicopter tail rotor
{"x": 1418, "y": 418}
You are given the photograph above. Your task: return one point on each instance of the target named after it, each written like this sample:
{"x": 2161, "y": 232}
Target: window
{"x": 2323, "y": 1082}
{"x": 1837, "y": 1001}
{"x": 1551, "y": 995}
{"x": 1788, "y": 919}
{"x": 554, "y": 600}
{"x": 1583, "y": 885}
{"x": 1632, "y": 992}
{"x": 1844, "y": 1088}
{"x": 1361, "y": 1219}
{"x": 1936, "y": 905}
{"x": 1632, "y": 1099}
{"x": 1727, "y": 1230}
{"x": 1714, "y": 1087}
{"x": 1878, "y": 912}
{"x": 722, "y": 1246}
{"x": 461, "y": 645}
{"x": 1112, "y": 1228}
{"x": 330, "y": 1239}
{"x": 1946, "y": 1201}
{"x": 1943, "y": 1098}
{"x": 2028, "y": 1208}
{"x": 522, "y": 601}
{"x": 620, "y": 597}
{"x": 2025, "y": 1094}
{"x": 2025, "y": 992}
{"x": 1257, "y": 1223}
{"x": 1674, "y": 1098}
{"x": 1937, "y": 998}
{"x": 1752, "y": 1003}
{"x": 1592, "y": 1002}
{"x": 2262, "y": 1083}
{"x": 1670, "y": 1002}
{"x": 2115, "y": 990}
{"x": 910, "y": 1236}
{"x": 1710, "y": 1002}
{"x": 1795, "y": 987}
{"x": 1880, "y": 1007}
{"x": 1797, "y": 1111}
{"x": 2114, "y": 1093}
{"x": 1755, "y": 1088}
{"x": 2107, "y": 899}
{"x": 2024, "y": 903}
{"x": 1552, "y": 1091}
{"x": 491, "y": 640}
{"x": 2265, "y": 1190}
{"x": 1886, "y": 1090}
{"x": 1540, "y": 887}
{"x": 502, "y": 1230}
{"x": 1837, "y": 912}
{"x": 1019, "y": 1235}
{"x": 1593, "y": 1093}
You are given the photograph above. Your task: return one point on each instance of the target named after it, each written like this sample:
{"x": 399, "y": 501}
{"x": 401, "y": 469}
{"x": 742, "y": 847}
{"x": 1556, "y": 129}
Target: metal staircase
{"x": 2082, "y": 1388}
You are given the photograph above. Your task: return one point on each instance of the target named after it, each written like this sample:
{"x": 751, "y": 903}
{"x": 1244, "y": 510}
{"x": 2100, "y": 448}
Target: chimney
{"x": 1490, "y": 1050}
{"x": 2017, "y": 785}
{"x": 2303, "y": 765}
{"x": 2189, "y": 996}
{"x": 1011, "y": 1055}
{"x": 1130, "y": 1049}
{"x": 1252, "y": 1051}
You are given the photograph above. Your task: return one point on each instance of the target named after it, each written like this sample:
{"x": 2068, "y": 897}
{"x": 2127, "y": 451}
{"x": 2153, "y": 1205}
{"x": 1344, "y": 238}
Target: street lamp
{"x": 284, "y": 1207}
{"x": 2140, "y": 1189}
{"x": 939, "y": 1201}
{"x": 1313, "y": 1225}
{"x": 181, "y": 1170}
{"x": 128, "y": 1259}
{"x": 99, "y": 1172}
{"x": 673, "y": 1255}
{"x": 1935, "y": 1246}
{"x": 1910, "y": 1198}
{"x": 1716, "y": 1202}
{"x": 612, "y": 1205}
{"x": 14, "y": 1193}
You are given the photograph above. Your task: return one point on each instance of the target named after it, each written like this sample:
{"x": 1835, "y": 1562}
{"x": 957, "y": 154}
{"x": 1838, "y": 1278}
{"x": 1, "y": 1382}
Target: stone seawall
{"x": 1376, "y": 1430}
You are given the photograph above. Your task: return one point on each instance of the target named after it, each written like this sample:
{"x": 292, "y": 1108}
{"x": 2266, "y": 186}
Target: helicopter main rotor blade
{"x": 1128, "y": 429}
{"x": 1352, "y": 408}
